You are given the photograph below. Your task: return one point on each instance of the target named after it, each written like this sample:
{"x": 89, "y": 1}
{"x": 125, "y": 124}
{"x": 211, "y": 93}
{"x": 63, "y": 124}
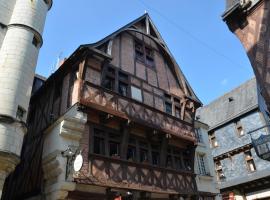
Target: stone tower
{"x": 249, "y": 20}
{"x": 21, "y": 27}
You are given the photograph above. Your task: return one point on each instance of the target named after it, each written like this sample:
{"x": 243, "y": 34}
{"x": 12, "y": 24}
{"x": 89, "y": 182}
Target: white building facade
{"x": 21, "y": 27}
{"x": 204, "y": 165}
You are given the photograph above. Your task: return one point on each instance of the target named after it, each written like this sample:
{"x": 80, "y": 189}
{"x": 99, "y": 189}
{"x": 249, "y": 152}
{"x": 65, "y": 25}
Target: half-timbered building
{"x": 124, "y": 105}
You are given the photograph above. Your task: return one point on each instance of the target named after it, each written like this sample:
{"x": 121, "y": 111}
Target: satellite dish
{"x": 78, "y": 162}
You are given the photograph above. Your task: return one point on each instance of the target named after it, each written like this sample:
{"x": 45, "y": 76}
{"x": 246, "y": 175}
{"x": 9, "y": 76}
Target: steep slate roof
{"x": 221, "y": 110}
{"x": 161, "y": 43}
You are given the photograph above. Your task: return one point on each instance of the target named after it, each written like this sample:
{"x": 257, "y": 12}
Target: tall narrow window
{"x": 212, "y": 140}
{"x": 250, "y": 162}
{"x": 109, "y": 78}
{"x": 114, "y": 148}
{"x": 169, "y": 162}
{"x": 139, "y": 52}
{"x": 202, "y": 165}
{"x": 123, "y": 89}
{"x": 168, "y": 103}
{"x": 36, "y": 42}
{"x": 99, "y": 145}
{"x": 219, "y": 171}
{"x": 177, "y": 112}
{"x": 143, "y": 152}
{"x": 149, "y": 57}
{"x": 198, "y": 135}
{"x": 239, "y": 128}
{"x": 20, "y": 113}
{"x": 155, "y": 155}
{"x": 168, "y": 108}
{"x": 131, "y": 153}
{"x": 187, "y": 160}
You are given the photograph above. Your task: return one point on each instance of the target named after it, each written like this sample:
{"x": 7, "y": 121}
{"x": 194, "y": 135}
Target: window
{"x": 114, "y": 148}
{"x": 169, "y": 162}
{"x": 136, "y": 93}
{"x": 198, "y": 135}
{"x": 212, "y": 140}
{"x": 131, "y": 153}
{"x": 202, "y": 165}
{"x": 177, "y": 112}
{"x": 219, "y": 171}
{"x": 143, "y": 152}
{"x": 20, "y": 113}
{"x": 168, "y": 108}
{"x": 149, "y": 54}
{"x": 99, "y": 145}
{"x": 144, "y": 54}
{"x": 239, "y": 128}
{"x": 250, "y": 162}
{"x": 143, "y": 155}
{"x": 168, "y": 104}
{"x": 109, "y": 83}
{"x": 139, "y": 51}
{"x": 187, "y": 160}
{"x": 116, "y": 80}
{"x": 155, "y": 155}
{"x": 36, "y": 41}
{"x": 123, "y": 89}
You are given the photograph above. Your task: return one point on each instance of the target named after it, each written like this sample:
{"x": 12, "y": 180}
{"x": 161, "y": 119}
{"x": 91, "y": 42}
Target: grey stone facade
{"x": 243, "y": 107}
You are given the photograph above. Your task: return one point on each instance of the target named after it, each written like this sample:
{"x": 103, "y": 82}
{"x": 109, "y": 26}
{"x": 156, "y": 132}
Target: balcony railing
{"x": 98, "y": 98}
{"x": 116, "y": 173}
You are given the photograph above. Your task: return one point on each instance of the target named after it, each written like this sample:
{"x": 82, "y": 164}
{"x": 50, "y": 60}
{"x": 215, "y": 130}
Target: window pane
{"x": 123, "y": 76}
{"x": 139, "y": 51}
{"x": 155, "y": 158}
{"x": 187, "y": 163}
{"x": 123, "y": 89}
{"x": 143, "y": 155}
{"x": 109, "y": 83}
{"x": 131, "y": 153}
{"x": 99, "y": 145}
{"x": 177, "y": 112}
{"x": 114, "y": 148}
{"x": 178, "y": 162}
{"x": 201, "y": 165}
{"x": 168, "y": 108}
{"x": 169, "y": 161}
{"x": 136, "y": 93}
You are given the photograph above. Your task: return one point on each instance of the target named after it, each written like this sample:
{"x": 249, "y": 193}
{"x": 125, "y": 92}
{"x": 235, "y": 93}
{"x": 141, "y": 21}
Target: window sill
{"x": 205, "y": 177}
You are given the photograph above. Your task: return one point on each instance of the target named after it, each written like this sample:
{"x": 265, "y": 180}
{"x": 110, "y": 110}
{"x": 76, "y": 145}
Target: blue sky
{"x": 211, "y": 57}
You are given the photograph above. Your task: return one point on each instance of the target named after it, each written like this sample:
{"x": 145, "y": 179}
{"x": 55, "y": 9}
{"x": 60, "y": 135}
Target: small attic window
{"x": 231, "y": 99}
